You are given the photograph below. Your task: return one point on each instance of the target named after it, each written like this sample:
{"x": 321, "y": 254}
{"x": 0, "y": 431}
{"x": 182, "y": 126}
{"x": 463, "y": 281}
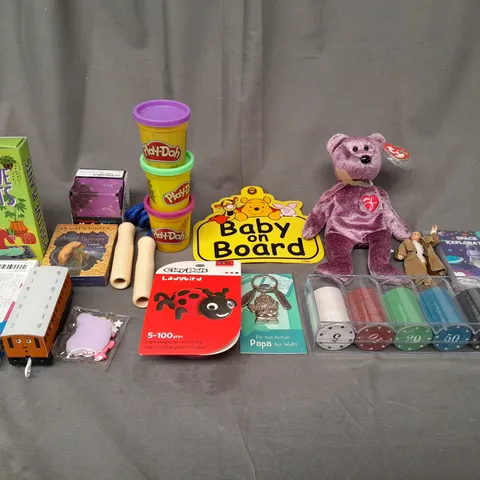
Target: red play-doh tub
{"x": 170, "y": 230}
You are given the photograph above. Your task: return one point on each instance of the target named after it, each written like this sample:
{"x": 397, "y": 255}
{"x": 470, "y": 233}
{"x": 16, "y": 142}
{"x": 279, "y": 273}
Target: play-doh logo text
{"x": 178, "y": 195}
{"x": 167, "y": 235}
{"x": 161, "y": 152}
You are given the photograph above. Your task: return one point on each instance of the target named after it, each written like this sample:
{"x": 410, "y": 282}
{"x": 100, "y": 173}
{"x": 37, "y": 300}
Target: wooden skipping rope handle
{"x": 123, "y": 258}
{"x": 144, "y": 271}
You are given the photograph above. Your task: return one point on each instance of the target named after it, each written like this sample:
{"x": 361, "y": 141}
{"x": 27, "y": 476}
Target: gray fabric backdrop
{"x": 268, "y": 83}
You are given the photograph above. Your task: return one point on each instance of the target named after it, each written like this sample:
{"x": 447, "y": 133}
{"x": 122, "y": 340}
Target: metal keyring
{"x": 261, "y": 287}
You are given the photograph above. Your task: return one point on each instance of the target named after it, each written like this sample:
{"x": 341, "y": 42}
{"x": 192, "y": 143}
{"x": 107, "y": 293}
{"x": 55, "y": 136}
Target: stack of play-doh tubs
{"x": 167, "y": 165}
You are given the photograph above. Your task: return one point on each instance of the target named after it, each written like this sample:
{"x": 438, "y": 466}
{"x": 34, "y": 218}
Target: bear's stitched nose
{"x": 365, "y": 158}
{"x": 256, "y": 209}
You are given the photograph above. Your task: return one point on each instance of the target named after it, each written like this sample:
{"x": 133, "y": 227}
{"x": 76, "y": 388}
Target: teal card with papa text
{"x": 283, "y": 336}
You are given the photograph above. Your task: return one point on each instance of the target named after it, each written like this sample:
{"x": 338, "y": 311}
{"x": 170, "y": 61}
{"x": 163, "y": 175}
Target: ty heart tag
{"x": 399, "y": 156}
{"x": 398, "y": 152}
{"x": 370, "y": 202}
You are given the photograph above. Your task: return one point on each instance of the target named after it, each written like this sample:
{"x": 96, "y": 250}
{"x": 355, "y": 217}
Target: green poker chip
{"x": 405, "y": 315}
{"x": 413, "y": 338}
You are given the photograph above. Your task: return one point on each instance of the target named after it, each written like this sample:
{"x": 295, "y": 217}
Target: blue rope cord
{"x": 139, "y": 217}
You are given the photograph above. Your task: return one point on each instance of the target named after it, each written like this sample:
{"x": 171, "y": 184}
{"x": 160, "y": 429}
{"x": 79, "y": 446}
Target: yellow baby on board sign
{"x": 255, "y": 227}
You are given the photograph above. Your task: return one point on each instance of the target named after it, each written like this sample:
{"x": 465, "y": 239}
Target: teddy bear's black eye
{"x": 365, "y": 148}
{"x": 355, "y": 149}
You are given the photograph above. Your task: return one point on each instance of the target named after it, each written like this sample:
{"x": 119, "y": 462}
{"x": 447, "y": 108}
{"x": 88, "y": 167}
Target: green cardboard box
{"x": 23, "y": 233}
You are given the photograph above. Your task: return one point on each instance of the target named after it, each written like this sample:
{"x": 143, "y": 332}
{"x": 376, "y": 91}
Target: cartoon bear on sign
{"x": 230, "y": 211}
{"x": 257, "y": 207}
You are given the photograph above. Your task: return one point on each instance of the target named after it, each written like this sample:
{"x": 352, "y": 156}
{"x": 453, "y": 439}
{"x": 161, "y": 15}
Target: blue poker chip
{"x": 452, "y": 338}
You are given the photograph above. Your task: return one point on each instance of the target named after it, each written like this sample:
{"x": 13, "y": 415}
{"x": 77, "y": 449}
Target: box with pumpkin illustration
{"x": 22, "y": 227}
{"x": 86, "y": 250}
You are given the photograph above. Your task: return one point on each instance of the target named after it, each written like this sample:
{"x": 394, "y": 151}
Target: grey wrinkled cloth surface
{"x": 268, "y": 83}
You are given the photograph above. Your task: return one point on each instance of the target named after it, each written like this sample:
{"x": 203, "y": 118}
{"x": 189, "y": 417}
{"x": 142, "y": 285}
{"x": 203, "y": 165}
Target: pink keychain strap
{"x": 103, "y": 354}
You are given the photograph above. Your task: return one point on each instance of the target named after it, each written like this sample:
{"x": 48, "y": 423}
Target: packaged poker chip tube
{"x": 332, "y": 329}
{"x": 444, "y": 315}
{"x": 393, "y": 315}
{"x": 90, "y": 337}
{"x": 363, "y": 299}
{"x": 404, "y": 314}
{"x": 467, "y": 295}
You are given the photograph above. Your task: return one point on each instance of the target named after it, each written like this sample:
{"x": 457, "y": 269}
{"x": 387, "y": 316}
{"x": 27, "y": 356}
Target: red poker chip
{"x": 374, "y": 337}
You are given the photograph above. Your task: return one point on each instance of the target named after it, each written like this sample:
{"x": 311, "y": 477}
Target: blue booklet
{"x": 460, "y": 252}
{"x": 281, "y": 333}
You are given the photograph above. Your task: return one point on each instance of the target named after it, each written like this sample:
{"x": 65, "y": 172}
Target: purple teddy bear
{"x": 354, "y": 211}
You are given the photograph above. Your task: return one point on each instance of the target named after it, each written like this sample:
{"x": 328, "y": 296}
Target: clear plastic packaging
{"x": 467, "y": 296}
{"x": 405, "y": 314}
{"x": 399, "y": 156}
{"x": 393, "y": 314}
{"x": 90, "y": 337}
{"x": 332, "y": 328}
{"x": 363, "y": 298}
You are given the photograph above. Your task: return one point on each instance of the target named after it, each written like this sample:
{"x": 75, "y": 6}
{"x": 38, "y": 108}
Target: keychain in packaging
{"x": 265, "y": 307}
{"x": 271, "y": 321}
{"x": 90, "y": 337}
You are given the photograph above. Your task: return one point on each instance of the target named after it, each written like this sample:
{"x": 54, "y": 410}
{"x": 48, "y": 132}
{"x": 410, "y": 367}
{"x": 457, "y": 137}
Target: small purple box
{"x": 99, "y": 196}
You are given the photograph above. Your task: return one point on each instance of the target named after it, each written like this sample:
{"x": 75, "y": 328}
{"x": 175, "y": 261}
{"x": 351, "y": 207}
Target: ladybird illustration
{"x": 197, "y": 301}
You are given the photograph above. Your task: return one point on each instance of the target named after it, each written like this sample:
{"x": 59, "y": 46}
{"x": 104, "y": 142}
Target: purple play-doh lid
{"x": 161, "y": 113}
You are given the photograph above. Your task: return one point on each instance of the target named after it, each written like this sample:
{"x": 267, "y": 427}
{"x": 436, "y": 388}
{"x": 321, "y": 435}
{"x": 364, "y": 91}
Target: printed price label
{"x": 84, "y": 172}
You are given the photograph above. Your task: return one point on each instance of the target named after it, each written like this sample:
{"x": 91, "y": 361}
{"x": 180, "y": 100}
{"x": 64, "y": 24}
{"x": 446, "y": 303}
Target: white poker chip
{"x": 335, "y": 336}
{"x": 331, "y": 306}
